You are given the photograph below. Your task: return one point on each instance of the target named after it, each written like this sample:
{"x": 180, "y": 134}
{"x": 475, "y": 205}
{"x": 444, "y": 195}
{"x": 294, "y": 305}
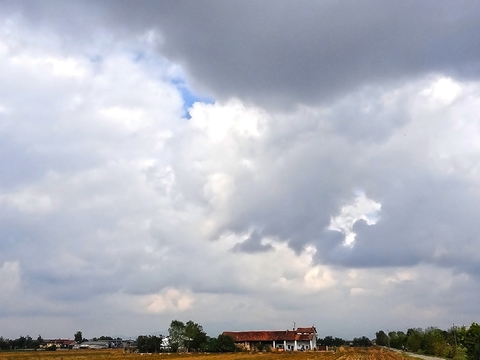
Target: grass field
{"x": 341, "y": 354}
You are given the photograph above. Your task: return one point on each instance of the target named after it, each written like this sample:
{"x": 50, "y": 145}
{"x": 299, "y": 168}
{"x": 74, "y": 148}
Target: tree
{"x": 19, "y": 343}
{"x": 194, "y": 336}
{"x": 226, "y": 343}
{"x": 176, "y": 335}
{"x": 210, "y": 345}
{"x": 402, "y": 340}
{"x": 103, "y": 337}
{"x": 434, "y": 342}
{"x": 220, "y": 344}
{"x": 362, "y": 341}
{"x": 28, "y": 342}
{"x": 331, "y": 341}
{"x": 149, "y": 344}
{"x": 4, "y": 344}
{"x": 78, "y": 337}
{"x": 398, "y": 339}
{"x": 414, "y": 339}
{"x": 327, "y": 341}
{"x": 470, "y": 340}
{"x": 381, "y": 338}
{"x": 35, "y": 344}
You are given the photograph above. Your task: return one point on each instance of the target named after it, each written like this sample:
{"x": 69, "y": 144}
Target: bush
{"x": 220, "y": 344}
{"x": 460, "y": 353}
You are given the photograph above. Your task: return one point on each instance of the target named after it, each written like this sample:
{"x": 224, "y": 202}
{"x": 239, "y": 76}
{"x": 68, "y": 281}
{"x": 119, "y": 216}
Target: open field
{"x": 341, "y": 354}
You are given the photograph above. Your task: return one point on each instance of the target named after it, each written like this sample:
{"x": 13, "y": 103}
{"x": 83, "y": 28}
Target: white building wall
{"x": 303, "y": 345}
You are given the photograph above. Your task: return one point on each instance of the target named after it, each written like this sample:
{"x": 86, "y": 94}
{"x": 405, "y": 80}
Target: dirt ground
{"x": 340, "y": 354}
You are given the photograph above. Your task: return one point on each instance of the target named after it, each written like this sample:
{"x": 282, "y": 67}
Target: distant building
{"x": 100, "y": 344}
{"x": 301, "y": 339}
{"x": 165, "y": 347}
{"x": 59, "y": 343}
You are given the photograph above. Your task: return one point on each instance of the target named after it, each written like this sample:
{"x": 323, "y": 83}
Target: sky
{"x": 245, "y": 165}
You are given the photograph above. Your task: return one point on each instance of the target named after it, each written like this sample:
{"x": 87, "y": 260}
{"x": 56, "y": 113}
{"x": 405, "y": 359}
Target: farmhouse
{"x": 297, "y": 339}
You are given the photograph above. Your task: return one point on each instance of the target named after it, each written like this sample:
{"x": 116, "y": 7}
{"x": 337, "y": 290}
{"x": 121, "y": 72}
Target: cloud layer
{"x": 331, "y": 177}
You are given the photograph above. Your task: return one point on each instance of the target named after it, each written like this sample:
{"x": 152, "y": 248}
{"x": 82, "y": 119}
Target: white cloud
{"x": 30, "y": 201}
{"x": 442, "y": 92}
{"x": 319, "y": 278}
{"x": 356, "y": 291}
{"x": 362, "y": 208}
{"x": 171, "y": 300}
{"x": 227, "y": 122}
{"x": 55, "y": 66}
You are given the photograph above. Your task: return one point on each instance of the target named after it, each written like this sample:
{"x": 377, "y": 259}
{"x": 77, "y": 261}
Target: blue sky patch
{"x": 189, "y": 97}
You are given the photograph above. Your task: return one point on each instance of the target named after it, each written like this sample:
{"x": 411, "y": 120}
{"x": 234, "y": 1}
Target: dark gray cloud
{"x": 424, "y": 221}
{"x": 279, "y": 53}
{"x": 273, "y": 52}
{"x": 252, "y": 244}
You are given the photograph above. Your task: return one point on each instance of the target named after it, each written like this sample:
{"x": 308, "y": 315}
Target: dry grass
{"x": 340, "y": 354}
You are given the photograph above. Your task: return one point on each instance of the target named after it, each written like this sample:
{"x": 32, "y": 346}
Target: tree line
{"x": 28, "y": 343}
{"x": 23, "y": 342}
{"x": 331, "y": 341}
{"x": 454, "y": 343}
{"x": 188, "y": 337}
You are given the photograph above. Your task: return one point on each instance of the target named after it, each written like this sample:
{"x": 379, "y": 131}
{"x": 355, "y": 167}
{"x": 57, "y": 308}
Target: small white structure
{"x": 101, "y": 344}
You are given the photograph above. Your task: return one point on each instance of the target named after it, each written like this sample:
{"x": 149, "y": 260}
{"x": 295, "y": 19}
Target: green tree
{"x": 327, "y": 340}
{"x": 398, "y": 339}
{"x": 194, "y": 336}
{"x": 461, "y": 332}
{"x": 434, "y": 342}
{"x": 78, "y": 337}
{"x": 470, "y": 340}
{"x": 149, "y": 344}
{"x": 414, "y": 339}
{"x": 222, "y": 343}
{"x": 28, "y": 342}
{"x": 103, "y": 337}
{"x": 331, "y": 341}
{"x": 381, "y": 338}
{"x": 362, "y": 342}
{"x": 36, "y": 343}
{"x": 4, "y": 344}
{"x": 176, "y": 335}
{"x": 19, "y": 343}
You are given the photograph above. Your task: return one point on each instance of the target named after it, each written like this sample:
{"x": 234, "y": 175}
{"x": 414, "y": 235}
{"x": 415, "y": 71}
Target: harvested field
{"x": 340, "y": 354}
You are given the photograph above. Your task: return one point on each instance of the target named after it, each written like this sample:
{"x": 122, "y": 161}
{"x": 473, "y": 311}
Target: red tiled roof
{"x": 306, "y": 330}
{"x": 251, "y": 336}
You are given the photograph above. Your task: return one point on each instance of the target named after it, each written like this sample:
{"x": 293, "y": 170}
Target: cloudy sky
{"x": 242, "y": 164}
